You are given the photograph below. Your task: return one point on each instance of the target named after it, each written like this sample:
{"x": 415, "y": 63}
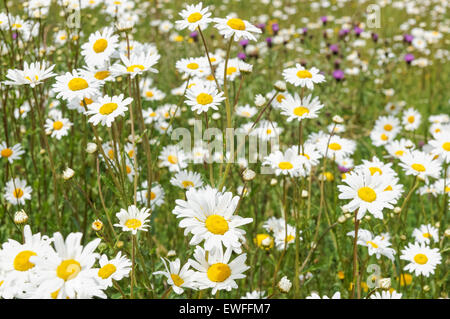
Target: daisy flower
{"x": 133, "y": 219}
{"x": 315, "y": 295}
{"x": 137, "y": 64}
{"x": 18, "y": 261}
{"x": 100, "y": 47}
{"x": 150, "y": 116}
{"x": 11, "y": 153}
{"x": 57, "y": 126}
{"x": 246, "y": 111}
{"x": 377, "y": 245}
{"x": 299, "y": 76}
{"x": 209, "y": 215}
{"x": 237, "y": 28}
{"x": 398, "y": 148}
{"x": 420, "y": 164}
{"x": 425, "y": 233}
{"x": 441, "y": 145}
{"x": 17, "y": 191}
{"x": 366, "y": 193}
{"x": 267, "y": 130}
{"x": 106, "y": 109}
{"x": 284, "y": 163}
{"x": 215, "y": 269}
{"x": 386, "y": 294}
{"x": 193, "y": 17}
{"x": 66, "y": 272}
{"x": 78, "y": 84}
{"x": 192, "y": 66}
{"x": 411, "y": 119}
{"x": 233, "y": 70}
{"x": 101, "y": 72}
{"x": 203, "y": 97}
{"x": 32, "y": 75}
{"x": 337, "y": 147}
{"x": 422, "y": 259}
{"x": 117, "y": 268}
{"x": 284, "y": 237}
{"x": 298, "y": 109}
{"x": 390, "y": 125}
{"x": 173, "y": 157}
{"x": 394, "y": 108}
{"x": 178, "y": 277}
{"x": 156, "y": 195}
{"x": 187, "y": 179}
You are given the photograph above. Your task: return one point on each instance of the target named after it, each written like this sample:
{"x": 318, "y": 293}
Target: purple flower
{"x": 375, "y": 37}
{"x": 269, "y": 42}
{"x": 338, "y": 74}
{"x": 14, "y": 36}
{"x": 358, "y": 30}
{"x": 305, "y": 30}
{"x": 261, "y": 26}
{"x": 409, "y": 57}
{"x": 343, "y": 32}
{"x": 324, "y": 19}
{"x": 343, "y": 169}
{"x": 241, "y": 55}
{"x": 243, "y": 42}
{"x": 408, "y": 38}
{"x": 194, "y": 35}
{"x": 275, "y": 27}
{"x": 334, "y": 48}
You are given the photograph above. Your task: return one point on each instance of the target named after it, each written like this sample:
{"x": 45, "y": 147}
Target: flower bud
{"x": 20, "y": 217}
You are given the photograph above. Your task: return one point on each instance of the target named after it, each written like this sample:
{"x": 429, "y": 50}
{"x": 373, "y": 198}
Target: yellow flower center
{"x": 446, "y": 146}
{"x": 106, "y": 271}
{"x": 280, "y": 98}
{"x": 77, "y": 84}
{"x": 418, "y": 167}
{"x": 57, "y": 125}
{"x": 68, "y": 269}
{"x": 153, "y": 114}
{"x": 216, "y": 224}
{"x": 389, "y": 188}
{"x": 177, "y": 281}
{"x": 299, "y": 111}
{"x": 192, "y": 66}
{"x": 306, "y": 155}
{"x": 187, "y": 184}
{"x": 388, "y": 127}
{"x": 335, "y": 146}
{"x": 367, "y": 194}
{"x": 18, "y": 193}
{"x": 411, "y": 119}
{"x": 101, "y": 75}
{"x": 100, "y": 45}
{"x": 289, "y": 238}
{"x": 152, "y": 195}
{"x": 371, "y": 243}
{"x": 259, "y": 239}
{"x": 87, "y": 101}
{"x": 204, "y": 99}
{"x": 172, "y": 159}
{"x": 384, "y": 137}
{"x": 421, "y": 259}
{"x": 236, "y": 24}
{"x": 399, "y": 152}
{"x": 194, "y": 17}
{"x": 108, "y": 108}
{"x": 218, "y": 272}
{"x": 6, "y": 152}
{"x": 22, "y": 260}
{"x": 427, "y": 235}
{"x": 133, "y": 223}
{"x": 374, "y": 170}
{"x": 285, "y": 165}
{"x": 304, "y": 74}
{"x": 269, "y": 131}
{"x": 132, "y": 68}
{"x": 231, "y": 70}
{"x": 149, "y": 94}
{"x": 54, "y": 294}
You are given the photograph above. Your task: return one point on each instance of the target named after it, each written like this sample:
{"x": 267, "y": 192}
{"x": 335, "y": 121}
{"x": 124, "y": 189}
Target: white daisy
{"x": 299, "y": 76}
{"x": 106, "y": 109}
{"x": 296, "y": 108}
{"x": 17, "y": 191}
{"x": 237, "y": 28}
{"x": 133, "y": 219}
{"x": 178, "y": 277}
{"x": 423, "y": 260}
{"x": 193, "y": 17}
{"x": 11, "y": 153}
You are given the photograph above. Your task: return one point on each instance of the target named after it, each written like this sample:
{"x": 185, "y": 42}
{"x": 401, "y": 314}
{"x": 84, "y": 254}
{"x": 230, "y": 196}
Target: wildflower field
{"x": 280, "y": 149}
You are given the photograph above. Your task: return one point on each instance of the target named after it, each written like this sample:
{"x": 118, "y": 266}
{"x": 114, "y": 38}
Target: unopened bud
{"x": 280, "y": 86}
{"x": 68, "y": 173}
{"x": 97, "y": 225}
{"x": 91, "y": 148}
{"x": 284, "y": 285}
{"x": 248, "y": 175}
{"x": 20, "y": 217}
